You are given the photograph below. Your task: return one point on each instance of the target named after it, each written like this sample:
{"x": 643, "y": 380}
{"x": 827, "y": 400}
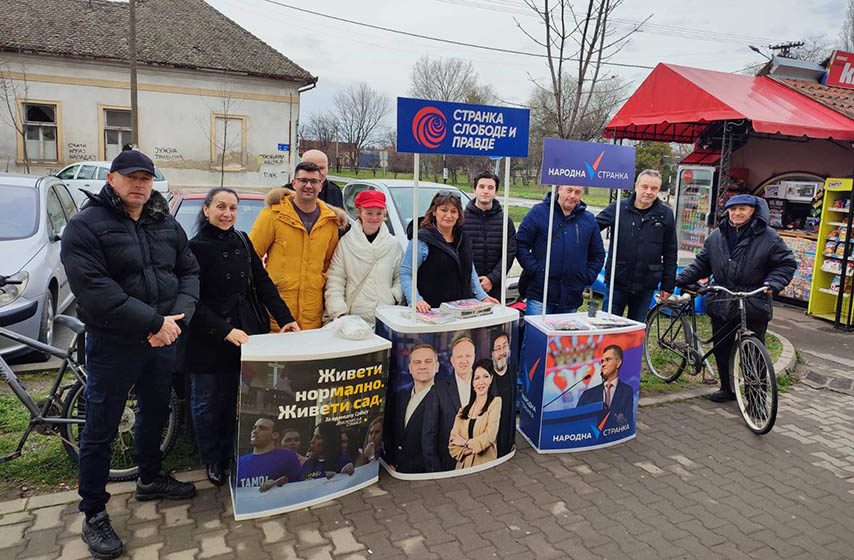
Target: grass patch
{"x": 517, "y": 213}
{"x": 44, "y": 466}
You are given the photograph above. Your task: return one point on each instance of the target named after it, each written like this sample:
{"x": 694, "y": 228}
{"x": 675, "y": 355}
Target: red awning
{"x": 702, "y": 156}
{"x": 677, "y": 103}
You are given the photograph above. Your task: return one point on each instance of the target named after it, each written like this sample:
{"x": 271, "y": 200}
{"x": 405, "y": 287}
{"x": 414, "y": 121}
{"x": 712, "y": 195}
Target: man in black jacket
{"x": 484, "y": 226}
{"x": 136, "y": 283}
{"x": 646, "y": 251}
{"x": 330, "y": 193}
{"x": 742, "y": 254}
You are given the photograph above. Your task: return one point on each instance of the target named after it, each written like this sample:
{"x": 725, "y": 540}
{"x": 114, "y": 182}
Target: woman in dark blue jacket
{"x": 217, "y": 331}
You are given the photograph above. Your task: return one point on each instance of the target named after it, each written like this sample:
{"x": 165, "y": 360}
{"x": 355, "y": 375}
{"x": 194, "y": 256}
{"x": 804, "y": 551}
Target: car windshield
{"x": 19, "y": 218}
{"x": 189, "y": 210}
{"x": 402, "y": 197}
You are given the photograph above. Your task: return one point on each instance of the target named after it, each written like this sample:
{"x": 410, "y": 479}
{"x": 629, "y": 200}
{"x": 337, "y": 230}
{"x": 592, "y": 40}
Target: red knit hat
{"x": 370, "y": 199}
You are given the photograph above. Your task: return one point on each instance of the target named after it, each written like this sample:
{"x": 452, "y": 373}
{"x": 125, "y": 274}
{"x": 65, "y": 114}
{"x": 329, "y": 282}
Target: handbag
{"x": 257, "y": 320}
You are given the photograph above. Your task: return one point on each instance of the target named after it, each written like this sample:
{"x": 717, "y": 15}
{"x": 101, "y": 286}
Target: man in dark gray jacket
{"x": 137, "y": 283}
{"x": 742, "y": 254}
{"x": 646, "y": 250}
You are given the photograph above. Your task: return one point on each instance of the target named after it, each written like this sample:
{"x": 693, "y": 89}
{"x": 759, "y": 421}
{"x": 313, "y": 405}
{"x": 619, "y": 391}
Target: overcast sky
{"x": 711, "y": 35}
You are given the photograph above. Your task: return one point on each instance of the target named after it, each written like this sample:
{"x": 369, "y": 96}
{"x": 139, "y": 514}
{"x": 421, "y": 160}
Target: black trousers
{"x": 723, "y": 349}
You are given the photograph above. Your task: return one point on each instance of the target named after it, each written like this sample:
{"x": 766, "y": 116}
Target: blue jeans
{"x": 213, "y": 401}
{"x": 638, "y": 303}
{"x": 534, "y": 307}
{"x": 112, "y": 370}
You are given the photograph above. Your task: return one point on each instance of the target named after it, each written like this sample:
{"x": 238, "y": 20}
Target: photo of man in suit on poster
{"x": 452, "y": 394}
{"x": 616, "y": 397}
{"x": 406, "y": 453}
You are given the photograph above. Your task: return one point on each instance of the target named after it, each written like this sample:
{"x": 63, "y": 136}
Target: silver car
{"x": 35, "y": 211}
{"x": 398, "y": 194}
{"x": 92, "y": 175}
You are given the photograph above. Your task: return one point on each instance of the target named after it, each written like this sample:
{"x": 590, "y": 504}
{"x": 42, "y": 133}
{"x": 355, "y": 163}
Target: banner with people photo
{"x": 581, "y": 389}
{"x": 308, "y": 431}
{"x": 450, "y": 402}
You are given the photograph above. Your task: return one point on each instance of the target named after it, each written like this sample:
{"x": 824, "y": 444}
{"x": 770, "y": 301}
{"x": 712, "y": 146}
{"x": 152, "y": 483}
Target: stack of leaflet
{"x": 566, "y": 325}
{"x": 609, "y": 322}
{"x": 464, "y": 308}
{"x": 433, "y": 317}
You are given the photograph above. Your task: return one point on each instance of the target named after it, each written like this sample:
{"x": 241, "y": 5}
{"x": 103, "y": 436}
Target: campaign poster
{"x": 450, "y": 402}
{"x": 308, "y": 431}
{"x": 580, "y": 390}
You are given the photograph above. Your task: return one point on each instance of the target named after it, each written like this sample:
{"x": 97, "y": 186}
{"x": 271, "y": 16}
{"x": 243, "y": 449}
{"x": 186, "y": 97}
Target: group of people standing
{"x": 140, "y": 283}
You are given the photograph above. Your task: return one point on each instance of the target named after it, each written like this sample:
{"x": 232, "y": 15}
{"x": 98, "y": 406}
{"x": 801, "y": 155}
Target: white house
{"x": 215, "y": 102}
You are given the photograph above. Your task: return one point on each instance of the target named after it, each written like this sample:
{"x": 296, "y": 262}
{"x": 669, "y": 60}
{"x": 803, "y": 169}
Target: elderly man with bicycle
{"x": 743, "y": 254}
{"x": 137, "y": 283}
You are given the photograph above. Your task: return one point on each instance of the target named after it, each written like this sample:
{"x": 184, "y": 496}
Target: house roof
{"x": 177, "y": 33}
{"x": 677, "y": 103}
{"x": 839, "y": 99}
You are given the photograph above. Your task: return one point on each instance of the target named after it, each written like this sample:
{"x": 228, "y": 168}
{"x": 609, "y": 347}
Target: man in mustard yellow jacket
{"x": 298, "y": 233}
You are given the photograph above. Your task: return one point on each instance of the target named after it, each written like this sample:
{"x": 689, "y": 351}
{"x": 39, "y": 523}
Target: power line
{"x": 439, "y": 39}
{"x": 515, "y": 8}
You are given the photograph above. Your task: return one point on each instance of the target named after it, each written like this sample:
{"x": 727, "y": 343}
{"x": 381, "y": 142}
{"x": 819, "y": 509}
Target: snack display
{"x": 804, "y": 250}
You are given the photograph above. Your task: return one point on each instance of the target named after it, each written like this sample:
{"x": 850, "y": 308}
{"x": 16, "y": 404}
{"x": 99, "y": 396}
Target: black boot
{"x": 722, "y": 396}
{"x": 164, "y": 486}
{"x": 99, "y": 535}
{"x": 215, "y": 474}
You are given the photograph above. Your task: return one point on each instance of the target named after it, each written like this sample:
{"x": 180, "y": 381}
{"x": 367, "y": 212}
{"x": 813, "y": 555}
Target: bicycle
{"x": 62, "y": 412}
{"x": 671, "y": 344}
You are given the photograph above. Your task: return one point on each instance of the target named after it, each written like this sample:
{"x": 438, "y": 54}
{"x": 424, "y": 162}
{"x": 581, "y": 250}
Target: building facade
{"x": 207, "y": 115}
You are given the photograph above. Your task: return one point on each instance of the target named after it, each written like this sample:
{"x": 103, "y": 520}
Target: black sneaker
{"x": 215, "y": 474}
{"x": 166, "y": 487}
{"x": 99, "y": 535}
{"x": 721, "y": 396}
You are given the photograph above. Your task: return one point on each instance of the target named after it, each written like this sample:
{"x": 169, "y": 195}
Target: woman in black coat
{"x": 215, "y": 334}
{"x": 742, "y": 254}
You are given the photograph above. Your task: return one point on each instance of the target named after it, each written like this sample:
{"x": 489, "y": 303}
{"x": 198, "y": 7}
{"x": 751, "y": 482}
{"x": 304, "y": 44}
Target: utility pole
{"x": 786, "y": 48}
{"x": 134, "y": 115}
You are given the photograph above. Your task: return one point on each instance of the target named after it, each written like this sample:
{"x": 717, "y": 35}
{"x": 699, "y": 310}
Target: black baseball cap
{"x": 129, "y": 161}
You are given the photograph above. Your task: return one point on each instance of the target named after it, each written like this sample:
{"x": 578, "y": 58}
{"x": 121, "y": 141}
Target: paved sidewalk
{"x": 695, "y": 483}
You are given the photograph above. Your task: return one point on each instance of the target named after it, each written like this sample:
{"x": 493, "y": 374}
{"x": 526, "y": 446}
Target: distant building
{"x": 213, "y": 98}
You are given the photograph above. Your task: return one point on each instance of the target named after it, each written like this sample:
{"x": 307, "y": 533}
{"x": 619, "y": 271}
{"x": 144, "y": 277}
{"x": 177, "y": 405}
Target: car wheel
{"x": 46, "y": 329}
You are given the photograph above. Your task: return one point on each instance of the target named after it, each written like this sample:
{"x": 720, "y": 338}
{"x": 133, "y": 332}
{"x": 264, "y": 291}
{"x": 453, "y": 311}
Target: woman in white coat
{"x": 365, "y": 269}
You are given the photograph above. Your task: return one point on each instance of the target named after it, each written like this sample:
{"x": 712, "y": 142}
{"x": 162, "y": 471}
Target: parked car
{"x": 91, "y": 176}
{"x": 185, "y": 205}
{"x": 35, "y": 212}
{"x": 399, "y": 198}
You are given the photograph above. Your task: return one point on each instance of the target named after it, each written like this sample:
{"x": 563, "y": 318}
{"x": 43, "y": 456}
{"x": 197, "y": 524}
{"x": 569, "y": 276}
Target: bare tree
{"x": 846, "y": 35}
{"x": 361, "y": 111}
{"x": 581, "y": 36}
{"x": 323, "y": 129}
{"x": 448, "y": 79}
{"x": 11, "y": 92}
{"x": 815, "y": 48}
{"x": 225, "y": 132}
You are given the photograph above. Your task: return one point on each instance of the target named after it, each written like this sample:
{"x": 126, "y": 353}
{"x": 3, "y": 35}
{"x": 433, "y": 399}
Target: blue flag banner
{"x": 587, "y": 164}
{"x": 439, "y": 127}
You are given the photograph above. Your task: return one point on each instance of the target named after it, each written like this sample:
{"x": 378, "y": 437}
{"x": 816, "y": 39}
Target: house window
{"x": 228, "y": 144}
{"x": 117, "y": 131}
{"x": 40, "y": 132}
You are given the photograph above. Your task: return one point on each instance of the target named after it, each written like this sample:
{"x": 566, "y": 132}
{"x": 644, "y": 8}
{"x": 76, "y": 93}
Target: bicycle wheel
{"x": 122, "y": 465}
{"x": 755, "y": 384}
{"x": 666, "y": 342}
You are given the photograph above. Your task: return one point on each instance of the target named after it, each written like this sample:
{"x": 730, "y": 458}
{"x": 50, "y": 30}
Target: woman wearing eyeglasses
{"x": 365, "y": 269}
{"x": 444, "y": 258}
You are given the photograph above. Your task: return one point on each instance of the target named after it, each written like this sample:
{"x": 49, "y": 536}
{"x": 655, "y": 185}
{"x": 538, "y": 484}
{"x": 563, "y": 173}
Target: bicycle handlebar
{"x": 736, "y": 294}
{"x": 4, "y": 281}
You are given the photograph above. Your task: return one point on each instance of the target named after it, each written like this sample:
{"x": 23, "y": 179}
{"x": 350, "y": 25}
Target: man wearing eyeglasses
{"x": 298, "y": 233}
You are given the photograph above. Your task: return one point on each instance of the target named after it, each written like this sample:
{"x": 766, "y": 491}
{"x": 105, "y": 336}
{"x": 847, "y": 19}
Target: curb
{"x": 785, "y": 363}
{"x": 199, "y": 477}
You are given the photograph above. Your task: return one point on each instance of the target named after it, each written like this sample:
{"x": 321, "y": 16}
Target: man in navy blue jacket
{"x": 577, "y": 252}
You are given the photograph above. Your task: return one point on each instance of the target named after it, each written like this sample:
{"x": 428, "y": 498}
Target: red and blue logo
{"x": 591, "y": 169}
{"x": 429, "y": 127}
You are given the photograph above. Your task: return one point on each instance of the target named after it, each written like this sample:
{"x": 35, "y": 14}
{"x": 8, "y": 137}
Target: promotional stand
{"x": 416, "y": 447}
{"x": 571, "y": 399}
{"x": 434, "y": 368}
{"x": 309, "y": 420}
{"x": 563, "y": 392}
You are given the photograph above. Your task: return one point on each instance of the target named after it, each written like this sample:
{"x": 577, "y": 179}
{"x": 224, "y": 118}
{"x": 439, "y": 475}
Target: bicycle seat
{"x": 72, "y": 323}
